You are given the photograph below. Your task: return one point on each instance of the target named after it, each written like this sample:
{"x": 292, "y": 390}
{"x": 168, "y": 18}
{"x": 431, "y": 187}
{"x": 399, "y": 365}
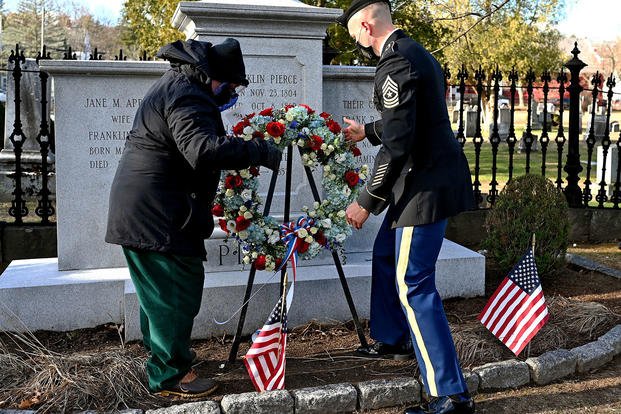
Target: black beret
{"x": 355, "y": 6}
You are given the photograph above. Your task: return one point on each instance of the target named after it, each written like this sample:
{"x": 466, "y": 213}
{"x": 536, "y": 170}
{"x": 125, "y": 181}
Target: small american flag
{"x": 517, "y": 310}
{"x": 265, "y": 360}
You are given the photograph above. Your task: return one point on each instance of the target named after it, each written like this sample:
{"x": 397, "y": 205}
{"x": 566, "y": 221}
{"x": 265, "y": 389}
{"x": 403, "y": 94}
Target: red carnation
{"x": 245, "y": 122}
{"x": 356, "y": 151}
{"x": 266, "y": 112}
{"x": 275, "y": 129}
{"x": 303, "y": 247}
{"x": 315, "y": 142}
{"x": 258, "y": 134}
{"x": 333, "y": 126}
{"x": 222, "y": 223}
{"x": 238, "y": 129}
{"x": 287, "y": 107}
{"x": 241, "y": 224}
{"x": 278, "y": 262}
{"x": 352, "y": 178}
{"x": 254, "y": 171}
{"x": 233, "y": 181}
{"x": 249, "y": 117}
{"x": 259, "y": 263}
{"x": 321, "y": 238}
{"x": 217, "y": 210}
{"x": 308, "y": 109}
{"x": 229, "y": 182}
{"x": 324, "y": 115}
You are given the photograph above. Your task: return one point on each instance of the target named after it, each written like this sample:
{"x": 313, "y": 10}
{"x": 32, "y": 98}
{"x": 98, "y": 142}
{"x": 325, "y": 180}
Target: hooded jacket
{"x": 167, "y": 177}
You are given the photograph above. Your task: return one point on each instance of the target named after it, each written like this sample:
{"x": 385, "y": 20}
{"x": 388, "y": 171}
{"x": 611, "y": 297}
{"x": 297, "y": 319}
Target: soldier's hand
{"x": 270, "y": 156}
{"x": 354, "y": 131}
{"x": 356, "y": 215}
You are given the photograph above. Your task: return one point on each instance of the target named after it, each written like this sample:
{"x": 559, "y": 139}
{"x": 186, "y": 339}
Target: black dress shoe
{"x": 444, "y": 405}
{"x": 382, "y": 350}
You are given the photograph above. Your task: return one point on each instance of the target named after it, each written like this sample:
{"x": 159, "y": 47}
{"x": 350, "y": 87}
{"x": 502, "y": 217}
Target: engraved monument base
{"x": 35, "y": 295}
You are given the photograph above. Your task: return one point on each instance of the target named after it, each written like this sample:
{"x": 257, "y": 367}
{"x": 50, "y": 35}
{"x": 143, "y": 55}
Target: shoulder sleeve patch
{"x": 390, "y": 93}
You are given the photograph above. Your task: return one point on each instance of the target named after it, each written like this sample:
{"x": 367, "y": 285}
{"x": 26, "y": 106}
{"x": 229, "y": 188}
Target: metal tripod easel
{"x": 251, "y": 275}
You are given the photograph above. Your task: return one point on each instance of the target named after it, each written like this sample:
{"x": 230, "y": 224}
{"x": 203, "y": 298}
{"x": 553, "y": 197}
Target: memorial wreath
{"x": 324, "y": 225}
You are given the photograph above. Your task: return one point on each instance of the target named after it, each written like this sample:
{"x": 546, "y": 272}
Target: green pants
{"x": 169, "y": 289}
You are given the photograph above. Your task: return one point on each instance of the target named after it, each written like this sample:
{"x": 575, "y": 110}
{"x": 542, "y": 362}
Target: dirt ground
{"x": 319, "y": 355}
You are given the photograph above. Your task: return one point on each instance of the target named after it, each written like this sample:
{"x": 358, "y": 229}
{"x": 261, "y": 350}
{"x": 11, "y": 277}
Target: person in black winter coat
{"x": 421, "y": 177}
{"x": 161, "y": 196}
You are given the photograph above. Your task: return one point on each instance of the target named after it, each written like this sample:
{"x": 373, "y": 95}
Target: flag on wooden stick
{"x": 517, "y": 310}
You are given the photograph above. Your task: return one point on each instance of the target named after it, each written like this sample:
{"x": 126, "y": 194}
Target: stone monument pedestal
{"x": 35, "y": 295}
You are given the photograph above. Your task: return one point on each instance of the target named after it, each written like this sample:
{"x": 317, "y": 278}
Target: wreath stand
{"x": 335, "y": 256}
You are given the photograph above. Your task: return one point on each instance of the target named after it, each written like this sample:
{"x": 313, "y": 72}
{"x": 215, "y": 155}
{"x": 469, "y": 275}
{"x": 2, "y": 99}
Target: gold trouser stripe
{"x": 402, "y": 265}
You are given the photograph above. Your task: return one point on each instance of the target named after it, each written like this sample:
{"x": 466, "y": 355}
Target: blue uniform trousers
{"x": 404, "y": 299}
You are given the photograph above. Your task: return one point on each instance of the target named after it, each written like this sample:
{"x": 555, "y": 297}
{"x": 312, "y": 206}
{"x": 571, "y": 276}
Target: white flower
{"x": 315, "y": 205}
{"x": 312, "y": 214}
{"x": 302, "y": 233}
{"x": 246, "y": 260}
{"x": 242, "y": 208}
{"x": 247, "y": 137}
{"x": 247, "y": 215}
{"x": 301, "y": 143}
{"x": 326, "y": 168}
{"x": 229, "y": 192}
{"x": 277, "y": 140}
{"x": 340, "y": 237}
{"x": 246, "y": 195}
{"x": 243, "y": 234}
{"x": 347, "y": 191}
{"x": 270, "y": 267}
{"x": 362, "y": 176}
{"x": 305, "y": 131}
{"x": 326, "y": 223}
{"x": 324, "y": 146}
{"x": 341, "y": 213}
{"x": 305, "y": 157}
{"x": 309, "y": 239}
{"x": 314, "y": 230}
{"x": 244, "y": 174}
{"x": 248, "y": 130}
{"x": 273, "y": 238}
{"x": 230, "y": 225}
{"x": 332, "y": 176}
{"x": 289, "y": 116}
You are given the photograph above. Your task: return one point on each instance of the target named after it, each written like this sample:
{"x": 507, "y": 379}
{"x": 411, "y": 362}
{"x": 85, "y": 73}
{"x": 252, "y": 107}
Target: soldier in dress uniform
{"x": 421, "y": 177}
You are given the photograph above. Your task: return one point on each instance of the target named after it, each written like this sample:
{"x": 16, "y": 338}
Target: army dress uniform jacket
{"x": 420, "y": 172}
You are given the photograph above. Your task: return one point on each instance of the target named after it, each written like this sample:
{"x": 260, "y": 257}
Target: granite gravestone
{"x": 348, "y": 91}
{"x": 95, "y": 104}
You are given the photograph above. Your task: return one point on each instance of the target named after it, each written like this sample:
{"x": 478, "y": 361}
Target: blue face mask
{"x": 225, "y": 97}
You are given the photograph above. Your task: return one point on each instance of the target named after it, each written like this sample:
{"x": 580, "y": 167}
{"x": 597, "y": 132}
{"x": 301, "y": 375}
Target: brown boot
{"x": 191, "y": 386}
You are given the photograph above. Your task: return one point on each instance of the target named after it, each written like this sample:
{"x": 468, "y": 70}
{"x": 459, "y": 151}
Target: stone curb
{"x": 546, "y": 368}
{"x": 581, "y": 261}
{"x": 384, "y": 393}
{"x": 334, "y": 398}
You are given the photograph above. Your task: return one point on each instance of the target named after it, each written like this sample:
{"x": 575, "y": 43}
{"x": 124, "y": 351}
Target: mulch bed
{"x": 319, "y": 354}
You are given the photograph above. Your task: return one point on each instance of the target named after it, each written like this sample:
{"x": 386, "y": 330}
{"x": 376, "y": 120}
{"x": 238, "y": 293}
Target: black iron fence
{"x": 560, "y": 127}
{"x": 567, "y": 83}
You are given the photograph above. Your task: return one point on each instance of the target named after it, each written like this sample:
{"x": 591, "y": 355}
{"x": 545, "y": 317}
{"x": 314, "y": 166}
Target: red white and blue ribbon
{"x": 289, "y": 234}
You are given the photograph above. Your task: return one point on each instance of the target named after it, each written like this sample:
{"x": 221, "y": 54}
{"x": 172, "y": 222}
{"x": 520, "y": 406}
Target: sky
{"x": 593, "y": 19}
